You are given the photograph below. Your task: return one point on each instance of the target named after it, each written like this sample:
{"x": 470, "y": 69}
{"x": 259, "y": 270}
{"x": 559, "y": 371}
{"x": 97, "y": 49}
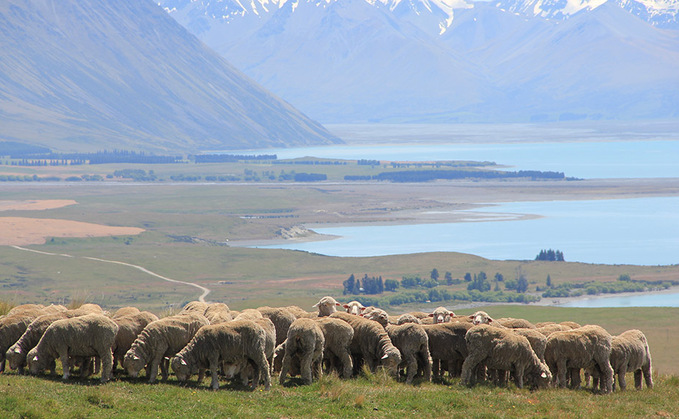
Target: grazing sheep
{"x": 159, "y": 339}
{"x": 91, "y": 335}
{"x": 378, "y": 315}
{"x": 218, "y": 313}
{"x": 537, "y": 341}
{"x": 441, "y": 315}
{"x": 196, "y": 306}
{"x": 299, "y": 312}
{"x": 337, "y": 350}
{"x": 249, "y": 314}
{"x": 11, "y": 329}
{"x": 447, "y": 346}
{"x": 125, "y": 311}
{"x": 407, "y": 318}
{"x": 129, "y": 328}
{"x": 548, "y": 329}
{"x": 282, "y": 318}
{"x": 513, "y": 323}
{"x": 629, "y": 352}
{"x": 354, "y": 307}
{"x": 413, "y": 343}
{"x": 236, "y": 343}
{"x": 304, "y": 346}
{"x": 326, "y": 306}
{"x": 502, "y": 349}
{"x": 16, "y": 354}
{"x": 586, "y": 347}
{"x": 371, "y": 344}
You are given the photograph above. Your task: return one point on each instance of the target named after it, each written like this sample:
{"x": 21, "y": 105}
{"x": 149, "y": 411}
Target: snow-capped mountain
{"x": 451, "y": 60}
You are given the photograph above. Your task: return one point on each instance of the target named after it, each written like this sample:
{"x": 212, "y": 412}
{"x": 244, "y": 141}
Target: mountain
{"x": 451, "y": 60}
{"x": 88, "y": 75}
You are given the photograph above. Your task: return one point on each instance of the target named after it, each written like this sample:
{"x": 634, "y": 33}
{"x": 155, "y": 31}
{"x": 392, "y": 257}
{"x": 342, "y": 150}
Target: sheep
{"x": 196, "y": 306}
{"x": 326, "y": 306}
{"x": 378, "y": 315}
{"x": 281, "y": 317}
{"x": 548, "y": 329}
{"x": 299, "y": 312}
{"x": 629, "y": 352}
{"x": 441, "y": 315}
{"x": 16, "y": 354}
{"x": 447, "y": 345}
{"x": 30, "y": 309}
{"x": 537, "y": 341}
{"x": 419, "y": 314}
{"x": 586, "y": 347}
{"x": 413, "y": 343}
{"x": 338, "y": 336}
{"x": 236, "y": 343}
{"x": 481, "y": 317}
{"x": 354, "y": 307}
{"x": 218, "y": 313}
{"x": 129, "y": 328}
{"x": 572, "y": 325}
{"x": 249, "y": 314}
{"x": 513, "y": 323}
{"x": 304, "y": 345}
{"x": 54, "y": 308}
{"x": 407, "y": 318}
{"x": 159, "y": 339}
{"x": 125, "y": 311}
{"x": 89, "y": 308}
{"x": 371, "y": 344}
{"x": 84, "y": 336}
{"x": 501, "y": 349}
{"x": 11, "y": 329}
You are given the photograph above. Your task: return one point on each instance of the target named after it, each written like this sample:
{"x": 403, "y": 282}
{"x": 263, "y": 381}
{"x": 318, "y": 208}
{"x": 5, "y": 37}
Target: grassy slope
{"x": 371, "y": 396}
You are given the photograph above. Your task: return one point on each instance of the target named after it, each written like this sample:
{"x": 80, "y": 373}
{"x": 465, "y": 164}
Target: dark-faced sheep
{"x": 586, "y": 347}
{"x": 504, "y": 350}
{"x": 160, "y": 339}
{"x": 91, "y": 335}
{"x": 371, "y": 344}
{"x": 304, "y": 347}
{"x": 236, "y": 343}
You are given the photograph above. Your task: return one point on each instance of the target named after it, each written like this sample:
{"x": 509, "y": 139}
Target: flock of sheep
{"x": 252, "y": 344}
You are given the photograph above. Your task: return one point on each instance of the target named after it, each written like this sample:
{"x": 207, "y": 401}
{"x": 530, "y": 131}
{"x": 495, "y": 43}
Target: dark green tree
{"x": 522, "y": 284}
{"x": 549, "y": 281}
{"x": 434, "y": 274}
{"x": 391, "y": 284}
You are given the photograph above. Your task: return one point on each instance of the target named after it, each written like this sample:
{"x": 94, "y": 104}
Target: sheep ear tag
{"x": 182, "y": 361}
{"x": 385, "y": 356}
{"x": 543, "y": 375}
{"x": 35, "y": 358}
{"x": 17, "y": 350}
{"x": 135, "y": 357}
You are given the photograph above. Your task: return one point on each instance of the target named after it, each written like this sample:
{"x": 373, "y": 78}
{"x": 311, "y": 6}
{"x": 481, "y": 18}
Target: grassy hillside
{"x": 375, "y": 396}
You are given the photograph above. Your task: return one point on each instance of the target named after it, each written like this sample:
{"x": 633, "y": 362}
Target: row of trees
{"x": 550, "y": 255}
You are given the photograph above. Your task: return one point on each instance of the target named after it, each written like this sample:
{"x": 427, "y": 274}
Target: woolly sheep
{"x": 513, "y": 323}
{"x": 159, "y": 339}
{"x": 129, "y": 328}
{"x": 304, "y": 346}
{"x": 26, "y": 309}
{"x": 481, "y": 317}
{"x": 586, "y": 347}
{"x": 548, "y": 329}
{"x": 281, "y": 317}
{"x": 630, "y": 352}
{"x": 501, "y": 349}
{"x": 413, "y": 343}
{"x": 234, "y": 343}
{"x": 441, "y": 315}
{"x": 196, "y": 306}
{"x": 537, "y": 341}
{"x": 378, "y": 315}
{"x": 407, "y": 318}
{"x": 447, "y": 346}
{"x": 326, "y": 306}
{"x": 218, "y": 313}
{"x": 89, "y": 308}
{"x": 354, "y": 307}
{"x": 249, "y": 314}
{"x": 337, "y": 350}
{"x": 125, "y": 311}
{"x": 16, "y": 354}
{"x": 90, "y": 335}
{"x": 11, "y": 329}
{"x": 371, "y": 344}
{"x": 299, "y": 312}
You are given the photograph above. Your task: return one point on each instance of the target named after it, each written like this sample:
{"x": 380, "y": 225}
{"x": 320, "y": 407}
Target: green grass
{"x": 372, "y": 396}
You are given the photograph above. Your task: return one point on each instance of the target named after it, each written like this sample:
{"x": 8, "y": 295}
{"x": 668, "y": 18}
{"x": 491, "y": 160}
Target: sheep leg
{"x": 305, "y": 366}
{"x": 284, "y": 369}
{"x": 468, "y": 368}
{"x": 214, "y": 369}
{"x": 263, "y": 368}
{"x": 562, "y": 371}
{"x": 606, "y": 373}
{"x": 106, "y": 359}
{"x": 435, "y": 367}
{"x": 648, "y": 377}
{"x": 411, "y": 367}
{"x": 155, "y": 363}
{"x": 63, "y": 356}
{"x": 2, "y": 365}
{"x": 518, "y": 376}
{"x": 164, "y": 367}
{"x": 347, "y": 364}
